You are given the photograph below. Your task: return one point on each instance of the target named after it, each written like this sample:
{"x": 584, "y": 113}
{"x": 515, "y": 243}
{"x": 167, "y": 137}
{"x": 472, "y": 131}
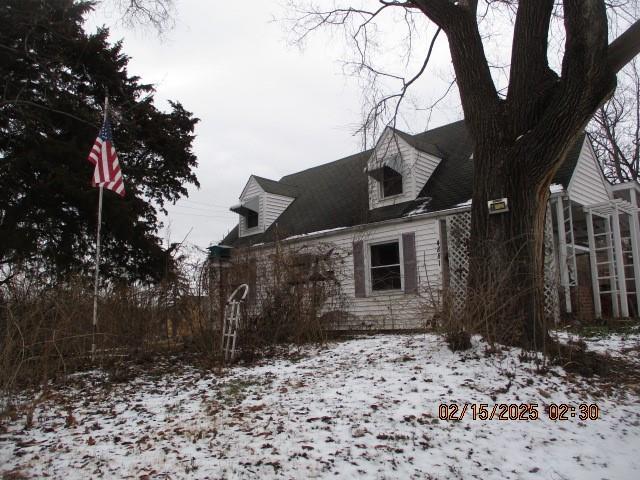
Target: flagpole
{"x": 97, "y": 269}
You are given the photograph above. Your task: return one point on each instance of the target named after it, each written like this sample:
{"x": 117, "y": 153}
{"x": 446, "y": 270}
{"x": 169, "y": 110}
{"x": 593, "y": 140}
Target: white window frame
{"x": 369, "y": 282}
{"x": 246, "y": 222}
{"x": 381, "y": 195}
{"x": 258, "y": 228}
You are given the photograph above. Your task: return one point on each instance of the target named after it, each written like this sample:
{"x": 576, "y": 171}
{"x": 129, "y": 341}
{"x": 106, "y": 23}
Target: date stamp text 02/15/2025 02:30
{"x": 518, "y": 411}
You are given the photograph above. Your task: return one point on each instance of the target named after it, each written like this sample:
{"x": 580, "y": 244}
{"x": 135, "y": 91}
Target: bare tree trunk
{"x": 521, "y": 138}
{"x": 506, "y": 276}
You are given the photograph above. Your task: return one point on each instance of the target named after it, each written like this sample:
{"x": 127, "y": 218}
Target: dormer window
{"x": 252, "y": 219}
{"x": 391, "y": 182}
{"x": 249, "y": 211}
{"x": 386, "y": 172}
{"x": 262, "y": 201}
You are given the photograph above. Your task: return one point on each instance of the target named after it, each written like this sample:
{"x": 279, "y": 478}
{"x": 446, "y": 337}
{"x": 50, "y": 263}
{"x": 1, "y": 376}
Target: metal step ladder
{"x": 628, "y": 254}
{"x": 232, "y": 321}
{"x": 612, "y": 254}
{"x": 604, "y": 244}
{"x": 570, "y": 242}
{"x": 566, "y": 248}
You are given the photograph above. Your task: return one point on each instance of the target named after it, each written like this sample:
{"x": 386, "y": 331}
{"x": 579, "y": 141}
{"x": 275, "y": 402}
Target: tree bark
{"x": 506, "y": 259}
{"x": 520, "y": 143}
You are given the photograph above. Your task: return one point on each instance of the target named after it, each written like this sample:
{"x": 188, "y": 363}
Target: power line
{"x": 214, "y": 205}
{"x": 188, "y": 207}
{"x": 189, "y": 214}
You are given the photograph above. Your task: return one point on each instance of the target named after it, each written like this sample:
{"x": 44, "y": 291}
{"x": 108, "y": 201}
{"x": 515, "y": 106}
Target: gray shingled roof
{"x": 277, "y": 188}
{"x": 335, "y": 194}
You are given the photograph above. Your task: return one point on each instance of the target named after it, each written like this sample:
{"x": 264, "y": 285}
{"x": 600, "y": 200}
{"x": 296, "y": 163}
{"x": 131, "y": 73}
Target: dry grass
{"x": 46, "y": 329}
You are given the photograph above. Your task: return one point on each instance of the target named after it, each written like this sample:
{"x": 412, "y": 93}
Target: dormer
{"x": 397, "y": 169}
{"x": 262, "y": 201}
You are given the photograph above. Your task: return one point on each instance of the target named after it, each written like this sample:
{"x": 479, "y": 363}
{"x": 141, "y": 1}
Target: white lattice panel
{"x": 551, "y": 274}
{"x": 458, "y": 234}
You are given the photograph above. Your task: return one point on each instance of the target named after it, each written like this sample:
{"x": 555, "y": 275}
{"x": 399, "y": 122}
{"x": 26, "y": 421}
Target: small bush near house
{"x": 461, "y": 312}
{"x": 295, "y": 293}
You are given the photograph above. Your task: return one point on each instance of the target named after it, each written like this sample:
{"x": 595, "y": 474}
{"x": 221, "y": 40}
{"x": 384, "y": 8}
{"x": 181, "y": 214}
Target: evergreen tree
{"x": 53, "y": 78}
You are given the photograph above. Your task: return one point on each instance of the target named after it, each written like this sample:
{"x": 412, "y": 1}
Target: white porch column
{"x": 595, "y": 284}
{"x": 613, "y": 286}
{"x": 562, "y": 253}
{"x": 619, "y": 264}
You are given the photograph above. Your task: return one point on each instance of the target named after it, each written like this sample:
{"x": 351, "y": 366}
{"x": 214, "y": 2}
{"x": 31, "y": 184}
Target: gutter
{"x": 362, "y": 226}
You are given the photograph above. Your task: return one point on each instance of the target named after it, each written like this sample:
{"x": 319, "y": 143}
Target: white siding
{"x": 274, "y": 205}
{"x": 382, "y": 310}
{"x": 252, "y": 189}
{"x": 587, "y": 185}
{"x": 271, "y": 207}
{"x": 423, "y": 169}
{"x": 389, "y": 145}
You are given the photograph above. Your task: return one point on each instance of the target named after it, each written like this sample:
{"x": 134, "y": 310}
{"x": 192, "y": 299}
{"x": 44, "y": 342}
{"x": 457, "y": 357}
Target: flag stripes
{"x": 105, "y": 159}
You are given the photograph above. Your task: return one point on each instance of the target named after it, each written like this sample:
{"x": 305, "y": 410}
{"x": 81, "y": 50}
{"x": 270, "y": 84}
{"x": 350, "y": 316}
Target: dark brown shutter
{"x": 409, "y": 259}
{"x": 358, "y": 269}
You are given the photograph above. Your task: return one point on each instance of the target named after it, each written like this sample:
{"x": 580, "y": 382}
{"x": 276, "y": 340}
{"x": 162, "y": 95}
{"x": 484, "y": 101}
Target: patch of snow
{"x": 626, "y": 345}
{"x": 365, "y": 408}
{"x": 556, "y": 188}
{"x": 319, "y": 232}
{"x": 420, "y": 209}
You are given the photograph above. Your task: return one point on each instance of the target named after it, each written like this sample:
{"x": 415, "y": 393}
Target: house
{"x": 401, "y": 214}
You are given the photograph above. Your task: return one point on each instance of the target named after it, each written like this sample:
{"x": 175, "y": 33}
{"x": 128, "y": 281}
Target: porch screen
{"x": 385, "y": 266}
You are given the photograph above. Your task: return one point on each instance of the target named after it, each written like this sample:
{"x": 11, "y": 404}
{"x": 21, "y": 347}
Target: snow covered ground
{"x": 365, "y": 408}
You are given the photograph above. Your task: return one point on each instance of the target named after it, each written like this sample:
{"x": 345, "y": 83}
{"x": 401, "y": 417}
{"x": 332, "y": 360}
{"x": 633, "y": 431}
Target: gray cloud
{"x": 265, "y": 107}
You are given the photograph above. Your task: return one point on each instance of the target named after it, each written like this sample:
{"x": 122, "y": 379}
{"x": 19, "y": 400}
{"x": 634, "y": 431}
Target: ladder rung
{"x": 605, "y": 278}
{"x": 608, "y": 291}
{"x": 604, "y": 263}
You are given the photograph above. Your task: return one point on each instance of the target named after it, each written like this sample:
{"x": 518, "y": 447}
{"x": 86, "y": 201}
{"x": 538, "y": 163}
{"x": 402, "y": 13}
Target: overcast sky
{"x": 265, "y": 107}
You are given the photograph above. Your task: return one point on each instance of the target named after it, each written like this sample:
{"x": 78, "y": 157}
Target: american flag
{"x": 103, "y": 155}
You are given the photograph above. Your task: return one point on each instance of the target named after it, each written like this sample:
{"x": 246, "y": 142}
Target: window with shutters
{"x": 385, "y": 268}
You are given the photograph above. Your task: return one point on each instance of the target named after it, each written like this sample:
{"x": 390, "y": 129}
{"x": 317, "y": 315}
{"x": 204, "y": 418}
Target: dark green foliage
{"x": 53, "y": 78}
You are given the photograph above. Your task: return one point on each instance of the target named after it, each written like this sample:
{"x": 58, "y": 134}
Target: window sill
{"x": 391, "y": 197}
{"x": 385, "y": 293}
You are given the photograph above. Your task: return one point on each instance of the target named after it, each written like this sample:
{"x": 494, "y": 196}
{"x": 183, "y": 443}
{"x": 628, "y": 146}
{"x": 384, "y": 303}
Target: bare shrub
{"x": 463, "y": 312}
{"x": 46, "y": 327}
{"x": 295, "y": 293}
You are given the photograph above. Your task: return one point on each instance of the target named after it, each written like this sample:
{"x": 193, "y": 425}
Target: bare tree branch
{"x": 624, "y": 48}
{"x": 381, "y": 107}
{"x": 615, "y": 129}
{"x": 158, "y": 14}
